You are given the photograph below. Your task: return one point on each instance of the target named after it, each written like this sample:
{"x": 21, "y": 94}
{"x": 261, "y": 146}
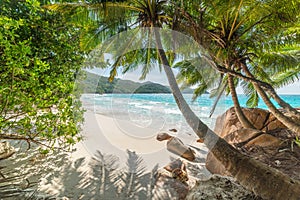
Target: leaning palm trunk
{"x": 238, "y": 110}
{"x": 287, "y": 121}
{"x": 287, "y": 107}
{"x": 265, "y": 86}
{"x": 253, "y": 175}
{"x": 270, "y": 90}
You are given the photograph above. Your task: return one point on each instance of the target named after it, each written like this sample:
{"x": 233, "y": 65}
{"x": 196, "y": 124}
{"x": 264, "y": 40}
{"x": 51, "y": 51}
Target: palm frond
{"x": 280, "y": 61}
{"x": 252, "y": 95}
{"x": 286, "y": 78}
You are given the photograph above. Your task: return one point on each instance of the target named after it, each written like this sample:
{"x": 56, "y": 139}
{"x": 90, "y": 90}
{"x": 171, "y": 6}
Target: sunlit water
{"x": 160, "y": 110}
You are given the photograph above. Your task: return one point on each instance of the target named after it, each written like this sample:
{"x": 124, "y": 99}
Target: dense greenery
{"x": 39, "y": 61}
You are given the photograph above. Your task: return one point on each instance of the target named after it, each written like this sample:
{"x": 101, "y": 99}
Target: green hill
{"x": 94, "y": 83}
{"x": 152, "y": 88}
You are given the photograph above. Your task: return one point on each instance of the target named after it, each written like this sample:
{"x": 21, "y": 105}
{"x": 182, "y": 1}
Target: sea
{"x": 160, "y": 110}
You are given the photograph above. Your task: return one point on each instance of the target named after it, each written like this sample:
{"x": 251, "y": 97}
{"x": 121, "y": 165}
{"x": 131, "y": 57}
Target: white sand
{"x": 114, "y": 136}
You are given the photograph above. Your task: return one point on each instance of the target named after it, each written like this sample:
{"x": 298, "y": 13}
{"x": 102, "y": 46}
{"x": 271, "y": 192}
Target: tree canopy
{"x": 40, "y": 61}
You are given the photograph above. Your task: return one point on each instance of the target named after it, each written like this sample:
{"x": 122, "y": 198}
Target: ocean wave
{"x": 172, "y": 111}
{"x": 144, "y": 107}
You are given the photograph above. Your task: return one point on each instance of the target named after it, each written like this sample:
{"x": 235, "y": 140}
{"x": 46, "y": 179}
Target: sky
{"x": 159, "y": 77}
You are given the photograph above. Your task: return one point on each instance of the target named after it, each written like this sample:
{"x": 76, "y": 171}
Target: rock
{"x": 6, "y": 150}
{"x": 264, "y": 140}
{"x": 256, "y": 116}
{"x": 270, "y": 143}
{"x": 229, "y": 128}
{"x": 237, "y": 137}
{"x": 176, "y": 146}
{"x": 218, "y": 187}
{"x": 228, "y": 122}
{"x": 272, "y": 124}
{"x": 242, "y": 135}
{"x": 173, "y": 130}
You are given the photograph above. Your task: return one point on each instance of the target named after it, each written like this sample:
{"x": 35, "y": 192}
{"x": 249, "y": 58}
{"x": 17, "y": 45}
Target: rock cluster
{"x": 271, "y": 142}
{"x": 262, "y": 120}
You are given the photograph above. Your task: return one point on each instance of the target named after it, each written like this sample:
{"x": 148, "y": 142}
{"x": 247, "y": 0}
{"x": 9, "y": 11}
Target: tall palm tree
{"x": 233, "y": 32}
{"x": 151, "y": 14}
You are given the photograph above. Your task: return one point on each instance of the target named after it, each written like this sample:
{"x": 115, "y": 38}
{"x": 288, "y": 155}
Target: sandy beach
{"x": 115, "y": 136}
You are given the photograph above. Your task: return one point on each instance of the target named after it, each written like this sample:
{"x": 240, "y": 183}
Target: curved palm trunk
{"x": 268, "y": 88}
{"x": 287, "y": 121}
{"x": 255, "y": 176}
{"x": 287, "y": 107}
{"x": 238, "y": 110}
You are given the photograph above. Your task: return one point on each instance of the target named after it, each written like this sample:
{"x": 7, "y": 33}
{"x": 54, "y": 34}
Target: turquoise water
{"x": 145, "y": 109}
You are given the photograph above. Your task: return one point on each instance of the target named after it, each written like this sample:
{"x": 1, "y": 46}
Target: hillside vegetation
{"x": 94, "y": 83}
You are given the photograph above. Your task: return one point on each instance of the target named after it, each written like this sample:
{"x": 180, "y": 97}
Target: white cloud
{"x": 290, "y": 89}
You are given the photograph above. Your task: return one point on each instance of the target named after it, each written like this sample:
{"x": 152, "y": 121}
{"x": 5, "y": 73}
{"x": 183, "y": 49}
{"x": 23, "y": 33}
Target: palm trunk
{"x": 255, "y": 176}
{"x": 238, "y": 110}
{"x": 267, "y": 87}
{"x": 287, "y": 107}
{"x": 270, "y": 90}
{"x": 287, "y": 121}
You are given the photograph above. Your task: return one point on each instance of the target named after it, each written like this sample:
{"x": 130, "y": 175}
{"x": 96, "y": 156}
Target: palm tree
{"x": 226, "y": 29}
{"x": 151, "y": 14}
{"x": 206, "y": 78}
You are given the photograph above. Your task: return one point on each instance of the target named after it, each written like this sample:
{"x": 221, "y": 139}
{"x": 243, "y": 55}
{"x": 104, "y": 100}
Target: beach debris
{"x": 6, "y": 150}
{"x": 277, "y": 162}
{"x": 219, "y": 187}
{"x": 178, "y": 170}
{"x": 174, "y": 176}
{"x": 200, "y": 140}
{"x": 176, "y": 146}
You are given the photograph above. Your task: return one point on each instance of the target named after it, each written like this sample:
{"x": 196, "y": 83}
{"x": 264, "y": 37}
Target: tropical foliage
{"x": 39, "y": 60}
{"x": 256, "y": 39}
{"x": 245, "y": 40}
{"x": 249, "y": 33}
